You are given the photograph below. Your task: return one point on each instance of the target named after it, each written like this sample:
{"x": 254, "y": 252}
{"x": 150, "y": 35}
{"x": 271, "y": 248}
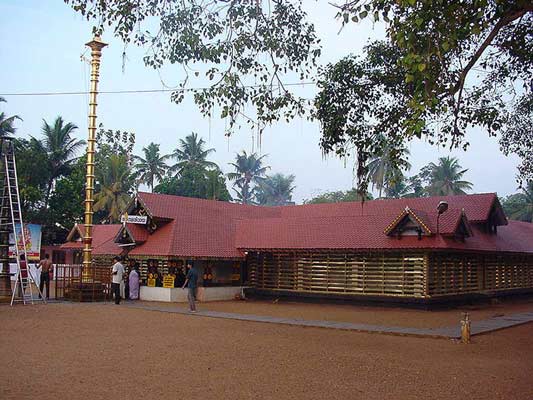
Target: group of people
{"x": 118, "y": 272}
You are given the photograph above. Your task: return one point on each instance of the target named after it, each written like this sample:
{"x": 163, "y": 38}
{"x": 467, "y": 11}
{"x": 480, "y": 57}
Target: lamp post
{"x": 441, "y": 209}
{"x": 96, "y": 45}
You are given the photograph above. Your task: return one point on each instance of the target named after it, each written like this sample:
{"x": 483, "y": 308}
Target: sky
{"x": 42, "y": 42}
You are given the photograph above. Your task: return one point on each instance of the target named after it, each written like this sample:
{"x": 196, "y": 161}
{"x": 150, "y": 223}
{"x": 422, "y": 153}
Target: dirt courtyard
{"x": 374, "y": 315}
{"x": 103, "y": 351}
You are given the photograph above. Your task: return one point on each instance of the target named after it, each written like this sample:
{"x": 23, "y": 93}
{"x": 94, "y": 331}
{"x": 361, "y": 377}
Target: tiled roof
{"x": 103, "y": 239}
{"x": 189, "y": 227}
{"x": 357, "y": 226}
{"x": 138, "y": 232}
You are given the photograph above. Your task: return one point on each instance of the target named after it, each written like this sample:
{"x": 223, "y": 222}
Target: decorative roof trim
{"x": 407, "y": 212}
{"x": 75, "y": 229}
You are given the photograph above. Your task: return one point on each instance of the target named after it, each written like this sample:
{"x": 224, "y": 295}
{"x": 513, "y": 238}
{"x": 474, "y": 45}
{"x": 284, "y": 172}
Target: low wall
{"x": 178, "y": 295}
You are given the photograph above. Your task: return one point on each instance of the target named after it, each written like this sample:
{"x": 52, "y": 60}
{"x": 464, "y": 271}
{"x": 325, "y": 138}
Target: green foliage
{"x": 339, "y": 196}
{"x": 229, "y": 39}
{"x": 249, "y": 171}
{"x": 191, "y": 152}
{"x": 33, "y": 175}
{"x": 275, "y": 190}
{"x": 7, "y": 124}
{"x": 415, "y": 187}
{"x": 67, "y": 200}
{"x": 114, "y": 187}
{"x": 363, "y": 107}
{"x": 60, "y": 149}
{"x": 150, "y": 168}
{"x": 385, "y": 168}
{"x": 109, "y": 142}
{"x": 397, "y": 188}
{"x": 519, "y": 206}
{"x": 459, "y": 61}
{"x": 421, "y": 82}
{"x": 216, "y": 188}
{"x": 196, "y": 181}
{"x": 444, "y": 178}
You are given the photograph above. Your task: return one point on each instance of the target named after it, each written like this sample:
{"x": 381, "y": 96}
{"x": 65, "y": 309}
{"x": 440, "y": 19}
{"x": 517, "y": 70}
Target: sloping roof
{"x": 103, "y": 239}
{"x": 367, "y": 233}
{"x": 420, "y": 217}
{"x": 189, "y": 227}
{"x": 198, "y": 227}
{"x": 137, "y": 233}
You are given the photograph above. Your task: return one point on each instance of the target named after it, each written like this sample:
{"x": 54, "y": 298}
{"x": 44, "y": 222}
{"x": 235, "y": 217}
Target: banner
{"x": 33, "y": 241}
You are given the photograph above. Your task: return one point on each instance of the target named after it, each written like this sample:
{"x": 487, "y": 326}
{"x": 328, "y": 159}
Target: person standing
{"x": 190, "y": 282}
{"x": 131, "y": 266}
{"x": 46, "y": 265}
{"x": 134, "y": 282}
{"x": 117, "y": 272}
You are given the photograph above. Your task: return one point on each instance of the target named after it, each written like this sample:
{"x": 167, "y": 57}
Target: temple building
{"x": 413, "y": 249}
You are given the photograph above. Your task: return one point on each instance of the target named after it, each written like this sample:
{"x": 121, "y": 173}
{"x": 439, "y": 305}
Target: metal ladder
{"x": 10, "y": 217}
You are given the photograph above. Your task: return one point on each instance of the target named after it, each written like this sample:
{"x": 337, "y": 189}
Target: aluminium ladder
{"x": 10, "y": 217}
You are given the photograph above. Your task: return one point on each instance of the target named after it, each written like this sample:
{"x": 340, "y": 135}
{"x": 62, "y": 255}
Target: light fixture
{"x": 441, "y": 209}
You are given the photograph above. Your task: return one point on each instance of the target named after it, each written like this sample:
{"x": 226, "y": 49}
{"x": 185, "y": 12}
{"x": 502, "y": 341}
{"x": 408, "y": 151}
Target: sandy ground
{"x": 389, "y": 316}
{"x": 103, "y": 351}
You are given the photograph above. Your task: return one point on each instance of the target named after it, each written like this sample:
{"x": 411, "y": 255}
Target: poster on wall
{"x": 33, "y": 241}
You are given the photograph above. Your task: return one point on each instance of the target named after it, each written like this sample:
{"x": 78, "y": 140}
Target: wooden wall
{"x": 478, "y": 273}
{"x": 390, "y": 274}
{"x": 393, "y": 274}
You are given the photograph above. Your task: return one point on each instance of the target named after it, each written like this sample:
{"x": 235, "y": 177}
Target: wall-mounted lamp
{"x": 441, "y": 209}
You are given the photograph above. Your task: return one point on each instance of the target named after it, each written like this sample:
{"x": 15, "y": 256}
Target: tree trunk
{"x": 48, "y": 191}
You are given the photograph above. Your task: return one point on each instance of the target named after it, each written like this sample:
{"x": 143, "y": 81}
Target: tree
{"x": 196, "y": 181}
{"x": 397, "y": 187}
{"x": 339, "y": 196}
{"x": 425, "y": 71}
{"x": 109, "y": 142}
{"x": 191, "y": 152}
{"x": 7, "y": 123}
{"x": 415, "y": 187}
{"x": 152, "y": 167}
{"x": 249, "y": 170}
{"x": 444, "y": 178}
{"x": 67, "y": 200}
{"x": 519, "y": 206}
{"x": 115, "y": 183}
{"x": 33, "y": 176}
{"x": 216, "y": 188}
{"x": 383, "y": 169}
{"x": 60, "y": 149}
{"x": 460, "y": 61}
{"x": 275, "y": 190}
{"x": 228, "y": 38}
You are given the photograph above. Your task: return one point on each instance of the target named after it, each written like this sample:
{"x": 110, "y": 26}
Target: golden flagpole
{"x": 96, "y": 45}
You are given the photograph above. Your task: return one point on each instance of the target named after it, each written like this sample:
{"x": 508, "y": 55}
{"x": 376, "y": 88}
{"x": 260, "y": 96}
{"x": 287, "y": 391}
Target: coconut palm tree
{"x": 397, "y": 187}
{"x": 115, "y": 182}
{"x": 383, "y": 169}
{"x": 519, "y": 206}
{"x": 275, "y": 190}
{"x": 60, "y": 149}
{"x": 445, "y": 178}
{"x": 191, "y": 152}
{"x": 150, "y": 168}
{"x": 249, "y": 170}
{"x": 6, "y": 123}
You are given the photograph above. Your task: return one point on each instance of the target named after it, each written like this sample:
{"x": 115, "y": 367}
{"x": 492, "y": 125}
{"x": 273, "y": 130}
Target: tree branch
{"x": 504, "y": 21}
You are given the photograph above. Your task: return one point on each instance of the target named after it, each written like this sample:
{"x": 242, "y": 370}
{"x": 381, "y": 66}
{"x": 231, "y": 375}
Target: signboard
{"x": 32, "y": 232}
{"x": 134, "y": 219}
{"x": 168, "y": 281}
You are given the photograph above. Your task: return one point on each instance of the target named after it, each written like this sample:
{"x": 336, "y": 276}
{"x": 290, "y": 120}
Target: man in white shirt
{"x": 117, "y": 274}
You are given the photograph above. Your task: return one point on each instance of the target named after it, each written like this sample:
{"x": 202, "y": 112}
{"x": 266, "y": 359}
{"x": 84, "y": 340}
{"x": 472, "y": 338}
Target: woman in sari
{"x": 134, "y": 282}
